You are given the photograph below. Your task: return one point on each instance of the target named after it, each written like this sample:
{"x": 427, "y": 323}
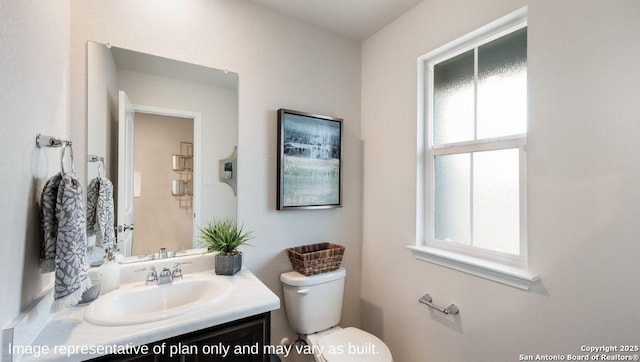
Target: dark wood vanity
{"x": 247, "y": 336}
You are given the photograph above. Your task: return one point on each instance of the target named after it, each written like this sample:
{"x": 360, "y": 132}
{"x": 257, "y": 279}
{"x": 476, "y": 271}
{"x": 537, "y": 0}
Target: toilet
{"x": 314, "y": 308}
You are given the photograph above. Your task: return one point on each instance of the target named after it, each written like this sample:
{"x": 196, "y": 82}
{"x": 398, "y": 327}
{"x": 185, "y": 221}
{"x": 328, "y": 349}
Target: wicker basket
{"x": 316, "y": 258}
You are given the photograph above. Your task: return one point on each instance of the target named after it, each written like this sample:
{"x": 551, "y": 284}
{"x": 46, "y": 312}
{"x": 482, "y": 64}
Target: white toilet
{"x": 314, "y": 308}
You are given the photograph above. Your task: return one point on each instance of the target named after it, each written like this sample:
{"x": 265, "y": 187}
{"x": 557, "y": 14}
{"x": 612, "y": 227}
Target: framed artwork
{"x": 309, "y": 161}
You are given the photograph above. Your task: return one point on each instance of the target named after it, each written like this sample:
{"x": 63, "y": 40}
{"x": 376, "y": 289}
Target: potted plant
{"x": 224, "y": 236}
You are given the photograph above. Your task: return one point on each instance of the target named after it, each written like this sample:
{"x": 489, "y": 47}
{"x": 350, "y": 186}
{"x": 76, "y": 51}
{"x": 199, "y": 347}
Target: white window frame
{"x": 500, "y": 267}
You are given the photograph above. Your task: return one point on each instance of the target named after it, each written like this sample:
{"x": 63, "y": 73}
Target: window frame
{"x": 497, "y": 266}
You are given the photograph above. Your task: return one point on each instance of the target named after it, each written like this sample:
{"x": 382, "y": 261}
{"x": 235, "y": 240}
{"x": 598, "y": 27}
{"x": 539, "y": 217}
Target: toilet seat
{"x": 352, "y": 345}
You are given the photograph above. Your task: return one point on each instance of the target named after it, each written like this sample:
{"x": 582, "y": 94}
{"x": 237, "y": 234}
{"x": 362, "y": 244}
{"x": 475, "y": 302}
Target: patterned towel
{"x": 64, "y": 245}
{"x": 100, "y": 210}
{"x": 49, "y": 224}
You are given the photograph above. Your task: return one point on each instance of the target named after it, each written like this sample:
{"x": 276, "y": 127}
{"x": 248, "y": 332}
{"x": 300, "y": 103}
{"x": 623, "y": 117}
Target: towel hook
{"x": 64, "y": 149}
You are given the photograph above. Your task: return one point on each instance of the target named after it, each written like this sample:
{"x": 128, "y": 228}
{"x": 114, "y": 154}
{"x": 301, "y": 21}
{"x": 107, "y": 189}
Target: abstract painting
{"x": 309, "y": 161}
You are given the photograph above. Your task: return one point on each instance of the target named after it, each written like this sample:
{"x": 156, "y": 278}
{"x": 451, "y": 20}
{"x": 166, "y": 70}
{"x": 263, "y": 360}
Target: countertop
{"x": 66, "y": 333}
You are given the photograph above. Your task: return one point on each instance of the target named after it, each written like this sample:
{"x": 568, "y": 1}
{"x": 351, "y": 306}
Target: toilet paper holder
{"x": 427, "y": 300}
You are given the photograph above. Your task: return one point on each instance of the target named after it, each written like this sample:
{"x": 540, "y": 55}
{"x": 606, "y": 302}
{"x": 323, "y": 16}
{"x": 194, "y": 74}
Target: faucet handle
{"x": 177, "y": 270}
{"x": 152, "y": 275}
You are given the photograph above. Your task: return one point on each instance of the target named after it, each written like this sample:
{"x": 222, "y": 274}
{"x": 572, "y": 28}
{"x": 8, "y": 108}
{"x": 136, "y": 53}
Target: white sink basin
{"x": 137, "y": 303}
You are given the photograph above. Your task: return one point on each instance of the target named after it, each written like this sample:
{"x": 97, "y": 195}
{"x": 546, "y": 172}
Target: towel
{"x": 65, "y": 239}
{"x": 100, "y": 216}
{"x": 49, "y": 224}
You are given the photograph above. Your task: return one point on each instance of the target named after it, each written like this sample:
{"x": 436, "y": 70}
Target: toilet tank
{"x": 313, "y": 303}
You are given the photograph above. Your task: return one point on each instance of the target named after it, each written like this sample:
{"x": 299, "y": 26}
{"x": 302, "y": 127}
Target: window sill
{"x": 512, "y": 276}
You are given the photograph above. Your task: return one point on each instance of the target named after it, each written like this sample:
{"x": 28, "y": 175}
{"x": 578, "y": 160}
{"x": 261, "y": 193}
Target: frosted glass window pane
{"x": 502, "y": 86}
{"x": 453, "y": 99}
{"x": 453, "y": 198}
{"x": 496, "y": 200}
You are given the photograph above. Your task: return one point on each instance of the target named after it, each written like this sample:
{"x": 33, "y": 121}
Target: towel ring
{"x": 64, "y": 149}
{"x": 101, "y": 167}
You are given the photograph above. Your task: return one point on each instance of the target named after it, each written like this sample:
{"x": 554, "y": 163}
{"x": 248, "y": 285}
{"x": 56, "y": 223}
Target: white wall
{"x": 34, "y": 96}
{"x": 583, "y": 195}
{"x": 281, "y": 62}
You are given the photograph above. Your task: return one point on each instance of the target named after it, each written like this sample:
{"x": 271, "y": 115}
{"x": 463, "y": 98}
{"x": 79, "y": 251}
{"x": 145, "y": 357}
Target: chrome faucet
{"x": 165, "y": 276}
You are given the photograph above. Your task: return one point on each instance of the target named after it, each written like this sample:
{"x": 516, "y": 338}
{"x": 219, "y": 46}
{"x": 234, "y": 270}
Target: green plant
{"x": 224, "y": 236}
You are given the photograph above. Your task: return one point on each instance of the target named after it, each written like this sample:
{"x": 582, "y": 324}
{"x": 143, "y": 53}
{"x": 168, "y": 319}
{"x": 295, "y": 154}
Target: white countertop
{"x": 67, "y": 331}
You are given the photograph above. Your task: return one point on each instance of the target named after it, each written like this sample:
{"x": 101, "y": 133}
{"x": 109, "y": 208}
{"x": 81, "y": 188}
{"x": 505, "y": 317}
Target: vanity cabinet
{"x": 242, "y": 341}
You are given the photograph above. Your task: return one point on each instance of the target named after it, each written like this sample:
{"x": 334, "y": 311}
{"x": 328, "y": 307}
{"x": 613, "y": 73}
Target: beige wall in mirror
{"x": 157, "y": 139}
{"x": 153, "y": 82}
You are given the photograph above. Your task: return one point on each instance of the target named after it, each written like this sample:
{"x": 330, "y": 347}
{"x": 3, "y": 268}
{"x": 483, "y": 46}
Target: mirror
{"x": 157, "y": 129}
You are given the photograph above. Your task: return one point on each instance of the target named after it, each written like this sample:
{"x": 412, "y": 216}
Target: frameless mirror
{"x": 157, "y": 129}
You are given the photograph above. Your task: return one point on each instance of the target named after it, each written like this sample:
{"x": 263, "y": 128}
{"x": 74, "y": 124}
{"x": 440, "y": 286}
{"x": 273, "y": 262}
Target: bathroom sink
{"x": 137, "y": 303}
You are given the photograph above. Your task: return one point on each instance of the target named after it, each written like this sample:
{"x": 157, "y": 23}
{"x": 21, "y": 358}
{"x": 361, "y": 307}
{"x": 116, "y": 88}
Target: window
{"x": 472, "y": 183}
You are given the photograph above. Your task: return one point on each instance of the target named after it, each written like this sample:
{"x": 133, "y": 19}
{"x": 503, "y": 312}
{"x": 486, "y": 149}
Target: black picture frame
{"x": 309, "y": 161}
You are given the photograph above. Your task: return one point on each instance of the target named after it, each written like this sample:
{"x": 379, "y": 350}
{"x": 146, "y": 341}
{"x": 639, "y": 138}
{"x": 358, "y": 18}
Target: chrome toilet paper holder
{"x": 428, "y": 301}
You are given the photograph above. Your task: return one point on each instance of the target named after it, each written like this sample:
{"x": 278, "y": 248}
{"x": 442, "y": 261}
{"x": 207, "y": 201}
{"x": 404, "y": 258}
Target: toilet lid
{"x": 351, "y": 345}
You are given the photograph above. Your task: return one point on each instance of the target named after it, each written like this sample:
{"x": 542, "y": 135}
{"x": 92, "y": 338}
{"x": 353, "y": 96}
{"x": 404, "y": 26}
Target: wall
{"x": 583, "y": 179}
{"x": 282, "y": 63}
{"x": 157, "y": 139}
{"x": 34, "y": 96}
